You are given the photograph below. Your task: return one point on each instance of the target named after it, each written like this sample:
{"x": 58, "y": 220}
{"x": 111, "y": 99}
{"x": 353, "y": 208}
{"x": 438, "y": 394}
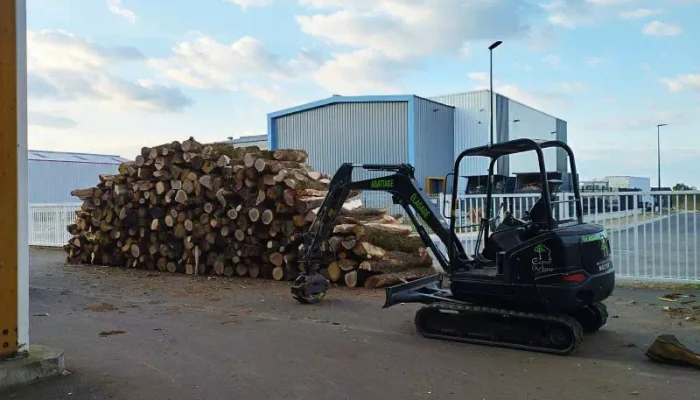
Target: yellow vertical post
{"x": 9, "y": 210}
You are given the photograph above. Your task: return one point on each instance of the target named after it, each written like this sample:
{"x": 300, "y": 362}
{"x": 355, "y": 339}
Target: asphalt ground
{"x": 183, "y": 337}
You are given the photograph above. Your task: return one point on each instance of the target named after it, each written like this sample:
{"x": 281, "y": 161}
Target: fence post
{"x": 636, "y": 246}
{"x": 441, "y": 199}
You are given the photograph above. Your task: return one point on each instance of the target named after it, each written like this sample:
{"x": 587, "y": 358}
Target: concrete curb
{"x": 42, "y": 362}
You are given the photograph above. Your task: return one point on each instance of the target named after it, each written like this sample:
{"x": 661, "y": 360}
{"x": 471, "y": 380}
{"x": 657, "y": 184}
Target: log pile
{"x": 186, "y": 207}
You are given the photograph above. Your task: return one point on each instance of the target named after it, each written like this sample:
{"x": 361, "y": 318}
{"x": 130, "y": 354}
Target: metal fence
{"x": 48, "y": 222}
{"x": 654, "y": 235}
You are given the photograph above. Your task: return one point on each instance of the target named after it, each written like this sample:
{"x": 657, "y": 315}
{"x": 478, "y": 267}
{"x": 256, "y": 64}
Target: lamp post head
{"x": 495, "y": 44}
{"x": 660, "y": 125}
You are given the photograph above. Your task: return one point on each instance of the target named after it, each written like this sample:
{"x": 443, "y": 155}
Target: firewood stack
{"x": 214, "y": 209}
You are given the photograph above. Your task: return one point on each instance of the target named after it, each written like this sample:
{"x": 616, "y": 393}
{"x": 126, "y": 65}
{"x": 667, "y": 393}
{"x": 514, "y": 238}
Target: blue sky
{"x": 113, "y": 76}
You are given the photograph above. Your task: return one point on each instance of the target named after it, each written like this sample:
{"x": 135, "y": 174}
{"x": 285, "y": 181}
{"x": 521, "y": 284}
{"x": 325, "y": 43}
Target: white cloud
{"x": 115, "y": 6}
{"x": 640, "y": 13}
{"x": 61, "y": 50}
{"x": 245, "y": 4}
{"x": 543, "y": 100}
{"x": 572, "y": 14}
{"x": 62, "y": 67}
{"x": 466, "y": 50}
{"x": 46, "y": 120}
{"x": 524, "y": 67}
{"x": 609, "y": 2}
{"x": 401, "y": 33}
{"x": 594, "y": 61}
{"x": 637, "y": 122}
{"x": 658, "y": 28}
{"x": 569, "y": 14}
{"x": 270, "y": 94}
{"x": 553, "y": 60}
{"x": 573, "y": 87}
{"x": 207, "y": 64}
{"x": 411, "y": 28}
{"x": 681, "y": 82}
{"x": 360, "y": 72}
{"x": 479, "y": 76}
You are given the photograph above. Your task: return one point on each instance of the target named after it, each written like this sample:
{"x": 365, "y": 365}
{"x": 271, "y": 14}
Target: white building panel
{"x": 471, "y": 127}
{"x": 527, "y": 122}
{"x": 53, "y": 175}
{"x": 245, "y": 141}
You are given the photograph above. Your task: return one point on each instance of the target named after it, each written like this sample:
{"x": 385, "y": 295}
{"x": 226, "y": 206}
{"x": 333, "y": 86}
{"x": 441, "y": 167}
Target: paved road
{"x": 194, "y": 338}
{"x": 668, "y": 247}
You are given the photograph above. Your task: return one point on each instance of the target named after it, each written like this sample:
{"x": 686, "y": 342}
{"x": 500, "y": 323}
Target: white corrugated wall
{"x": 52, "y": 182}
{"x": 471, "y": 127}
{"x": 531, "y": 124}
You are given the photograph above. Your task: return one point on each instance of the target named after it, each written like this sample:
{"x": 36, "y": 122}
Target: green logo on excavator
{"x": 420, "y": 205}
{"x": 594, "y": 237}
{"x": 382, "y": 184}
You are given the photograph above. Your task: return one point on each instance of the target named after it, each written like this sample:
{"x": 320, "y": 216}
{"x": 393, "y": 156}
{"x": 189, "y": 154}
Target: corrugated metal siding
{"x": 52, "y": 182}
{"x": 434, "y": 139}
{"x": 471, "y": 127}
{"x": 65, "y": 156}
{"x": 374, "y": 132}
{"x": 533, "y": 124}
{"x": 503, "y": 129}
{"x": 562, "y": 157}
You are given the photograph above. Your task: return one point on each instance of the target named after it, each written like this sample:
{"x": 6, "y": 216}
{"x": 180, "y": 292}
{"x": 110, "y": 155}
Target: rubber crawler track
{"x": 574, "y": 329}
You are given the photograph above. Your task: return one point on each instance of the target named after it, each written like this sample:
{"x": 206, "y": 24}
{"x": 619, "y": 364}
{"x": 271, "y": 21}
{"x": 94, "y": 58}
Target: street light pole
{"x": 493, "y": 46}
{"x": 658, "y": 152}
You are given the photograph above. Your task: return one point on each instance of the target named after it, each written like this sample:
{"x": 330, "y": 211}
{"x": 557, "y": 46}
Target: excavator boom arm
{"x": 401, "y": 184}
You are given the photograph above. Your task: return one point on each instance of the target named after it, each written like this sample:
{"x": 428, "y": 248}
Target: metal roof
{"x": 339, "y": 99}
{"x": 247, "y": 139}
{"x": 70, "y": 157}
{"x": 499, "y": 94}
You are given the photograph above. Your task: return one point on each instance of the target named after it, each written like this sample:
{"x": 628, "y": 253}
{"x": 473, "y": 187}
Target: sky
{"x": 112, "y": 76}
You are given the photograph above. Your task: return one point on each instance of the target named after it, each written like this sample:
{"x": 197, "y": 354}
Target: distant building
{"x": 594, "y": 186}
{"x": 629, "y": 182}
{"x": 256, "y": 140}
{"x": 53, "y": 175}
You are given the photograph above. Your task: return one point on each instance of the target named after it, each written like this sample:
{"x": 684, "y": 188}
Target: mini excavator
{"x": 537, "y": 285}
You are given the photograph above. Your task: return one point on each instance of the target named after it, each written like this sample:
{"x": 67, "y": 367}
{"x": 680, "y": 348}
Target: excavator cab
{"x": 508, "y": 231}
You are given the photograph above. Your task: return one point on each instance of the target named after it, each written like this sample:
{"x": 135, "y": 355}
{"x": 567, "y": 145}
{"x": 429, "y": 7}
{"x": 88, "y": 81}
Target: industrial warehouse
{"x": 416, "y": 130}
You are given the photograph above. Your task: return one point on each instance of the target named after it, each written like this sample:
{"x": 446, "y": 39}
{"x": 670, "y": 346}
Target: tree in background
{"x": 683, "y": 186}
{"x": 686, "y": 202}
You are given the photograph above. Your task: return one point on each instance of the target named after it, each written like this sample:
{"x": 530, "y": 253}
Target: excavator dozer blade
{"x": 425, "y": 290}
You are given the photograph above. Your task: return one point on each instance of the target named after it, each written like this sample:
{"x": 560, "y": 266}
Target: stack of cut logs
{"x": 213, "y": 209}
